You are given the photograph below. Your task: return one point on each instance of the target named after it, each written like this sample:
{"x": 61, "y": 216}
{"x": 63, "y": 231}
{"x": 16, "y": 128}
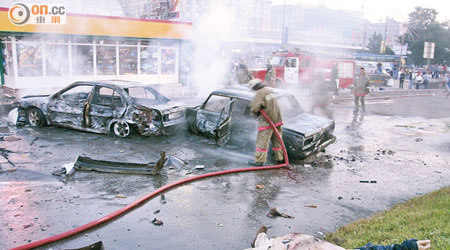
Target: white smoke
{"x": 211, "y": 62}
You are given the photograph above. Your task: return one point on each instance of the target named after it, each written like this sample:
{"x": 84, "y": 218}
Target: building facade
{"x": 42, "y": 58}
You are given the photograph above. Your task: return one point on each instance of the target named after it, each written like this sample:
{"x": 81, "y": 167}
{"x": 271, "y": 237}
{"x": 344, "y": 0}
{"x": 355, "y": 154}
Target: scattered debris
{"x": 340, "y": 198}
{"x": 368, "y": 181}
{"x": 157, "y": 222}
{"x": 157, "y": 211}
{"x": 121, "y": 197}
{"x": 419, "y": 139}
{"x": 163, "y": 199}
{"x": 260, "y": 186}
{"x": 28, "y": 190}
{"x": 200, "y": 167}
{"x": 43, "y": 229}
{"x": 28, "y": 225}
{"x": 220, "y": 224}
{"x": 35, "y": 139}
{"x": 311, "y": 206}
{"x": 11, "y": 170}
{"x": 274, "y": 213}
{"x": 67, "y": 169}
{"x": 96, "y": 246}
{"x": 307, "y": 165}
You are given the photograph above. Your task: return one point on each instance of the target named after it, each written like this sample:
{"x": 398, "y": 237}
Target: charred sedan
{"x": 105, "y": 107}
{"x": 225, "y": 115}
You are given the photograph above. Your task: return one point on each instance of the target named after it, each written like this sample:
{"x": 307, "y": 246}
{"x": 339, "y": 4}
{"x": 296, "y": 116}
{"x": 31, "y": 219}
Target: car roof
{"x": 244, "y": 92}
{"x": 118, "y": 83}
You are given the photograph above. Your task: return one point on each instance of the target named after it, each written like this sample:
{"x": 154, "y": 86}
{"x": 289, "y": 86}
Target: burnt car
{"x": 112, "y": 106}
{"x": 225, "y": 116}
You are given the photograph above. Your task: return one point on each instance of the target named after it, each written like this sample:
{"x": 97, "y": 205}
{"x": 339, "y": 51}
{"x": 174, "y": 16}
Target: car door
{"x": 214, "y": 118}
{"x": 291, "y": 70}
{"x": 105, "y": 105}
{"x": 67, "y": 107}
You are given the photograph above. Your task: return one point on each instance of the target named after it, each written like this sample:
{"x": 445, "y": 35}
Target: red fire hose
{"x": 138, "y": 202}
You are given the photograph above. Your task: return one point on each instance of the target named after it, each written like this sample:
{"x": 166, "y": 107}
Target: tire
{"x": 121, "y": 129}
{"x": 35, "y": 118}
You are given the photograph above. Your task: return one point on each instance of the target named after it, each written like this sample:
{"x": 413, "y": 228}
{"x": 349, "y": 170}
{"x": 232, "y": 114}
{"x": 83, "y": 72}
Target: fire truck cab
{"x": 293, "y": 68}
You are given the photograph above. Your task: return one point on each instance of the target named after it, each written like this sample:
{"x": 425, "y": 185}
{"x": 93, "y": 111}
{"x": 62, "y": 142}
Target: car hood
{"x": 163, "y": 108}
{"x": 37, "y": 100}
{"x": 307, "y": 124}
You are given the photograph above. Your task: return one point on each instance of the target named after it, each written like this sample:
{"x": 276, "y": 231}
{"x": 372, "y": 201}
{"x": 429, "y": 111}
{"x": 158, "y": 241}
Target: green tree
{"x": 422, "y": 26}
{"x": 375, "y": 44}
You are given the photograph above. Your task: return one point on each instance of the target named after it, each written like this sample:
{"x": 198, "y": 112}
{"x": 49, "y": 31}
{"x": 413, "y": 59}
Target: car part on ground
{"x": 89, "y": 164}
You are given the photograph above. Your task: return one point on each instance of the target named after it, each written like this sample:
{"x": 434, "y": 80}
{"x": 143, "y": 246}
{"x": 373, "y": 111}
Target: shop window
{"x": 168, "y": 57}
{"x": 56, "y": 60}
{"x": 127, "y": 42}
{"x": 29, "y": 56}
{"x": 105, "y": 42}
{"x": 8, "y": 68}
{"x": 149, "y": 61}
{"x": 82, "y": 60}
{"x": 128, "y": 60}
{"x": 82, "y": 40}
{"x": 106, "y": 60}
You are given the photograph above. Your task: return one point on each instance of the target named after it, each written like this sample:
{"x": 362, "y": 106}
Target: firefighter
{"x": 265, "y": 100}
{"x": 243, "y": 74}
{"x": 361, "y": 89}
{"x": 269, "y": 79}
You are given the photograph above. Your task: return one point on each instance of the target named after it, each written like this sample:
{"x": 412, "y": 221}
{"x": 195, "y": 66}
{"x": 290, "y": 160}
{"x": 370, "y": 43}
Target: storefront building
{"x": 39, "y": 59}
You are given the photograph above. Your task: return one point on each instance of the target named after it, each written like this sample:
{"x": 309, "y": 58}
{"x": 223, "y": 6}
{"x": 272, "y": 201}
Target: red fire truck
{"x": 295, "y": 68}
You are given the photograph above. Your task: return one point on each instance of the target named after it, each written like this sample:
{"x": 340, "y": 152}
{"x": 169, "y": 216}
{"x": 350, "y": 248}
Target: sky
{"x": 378, "y": 10}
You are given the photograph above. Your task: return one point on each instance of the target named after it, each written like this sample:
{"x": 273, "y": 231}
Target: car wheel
{"x": 121, "y": 129}
{"x": 35, "y": 118}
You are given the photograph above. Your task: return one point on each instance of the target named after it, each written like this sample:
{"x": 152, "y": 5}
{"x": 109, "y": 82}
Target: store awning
{"x": 96, "y": 25}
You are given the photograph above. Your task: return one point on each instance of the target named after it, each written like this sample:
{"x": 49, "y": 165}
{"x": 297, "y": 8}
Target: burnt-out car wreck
{"x": 106, "y": 107}
{"x": 225, "y": 116}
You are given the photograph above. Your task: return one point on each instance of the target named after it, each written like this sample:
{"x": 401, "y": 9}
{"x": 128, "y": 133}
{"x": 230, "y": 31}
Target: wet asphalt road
{"x": 402, "y": 144}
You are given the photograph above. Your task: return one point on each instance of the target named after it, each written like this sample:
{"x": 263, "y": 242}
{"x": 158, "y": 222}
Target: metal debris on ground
{"x": 152, "y": 168}
{"x": 121, "y": 197}
{"x": 311, "y": 206}
{"x": 163, "y": 199}
{"x": 96, "y": 246}
{"x": 157, "y": 222}
{"x": 274, "y": 213}
{"x": 367, "y": 181}
{"x": 260, "y": 186}
{"x": 200, "y": 167}
{"x": 220, "y": 224}
{"x": 28, "y": 225}
{"x": 67, "y": 169}
{"x": 35, "y": 139}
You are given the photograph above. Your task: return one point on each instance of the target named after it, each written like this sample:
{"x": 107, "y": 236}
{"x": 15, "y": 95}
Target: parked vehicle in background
{"x": 225, "y": 116}
{"x": 105, "y": 107}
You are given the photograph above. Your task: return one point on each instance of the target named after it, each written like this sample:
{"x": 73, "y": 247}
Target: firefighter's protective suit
{"x": 270, "y": 76}
{"x": 265, "y": 99}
